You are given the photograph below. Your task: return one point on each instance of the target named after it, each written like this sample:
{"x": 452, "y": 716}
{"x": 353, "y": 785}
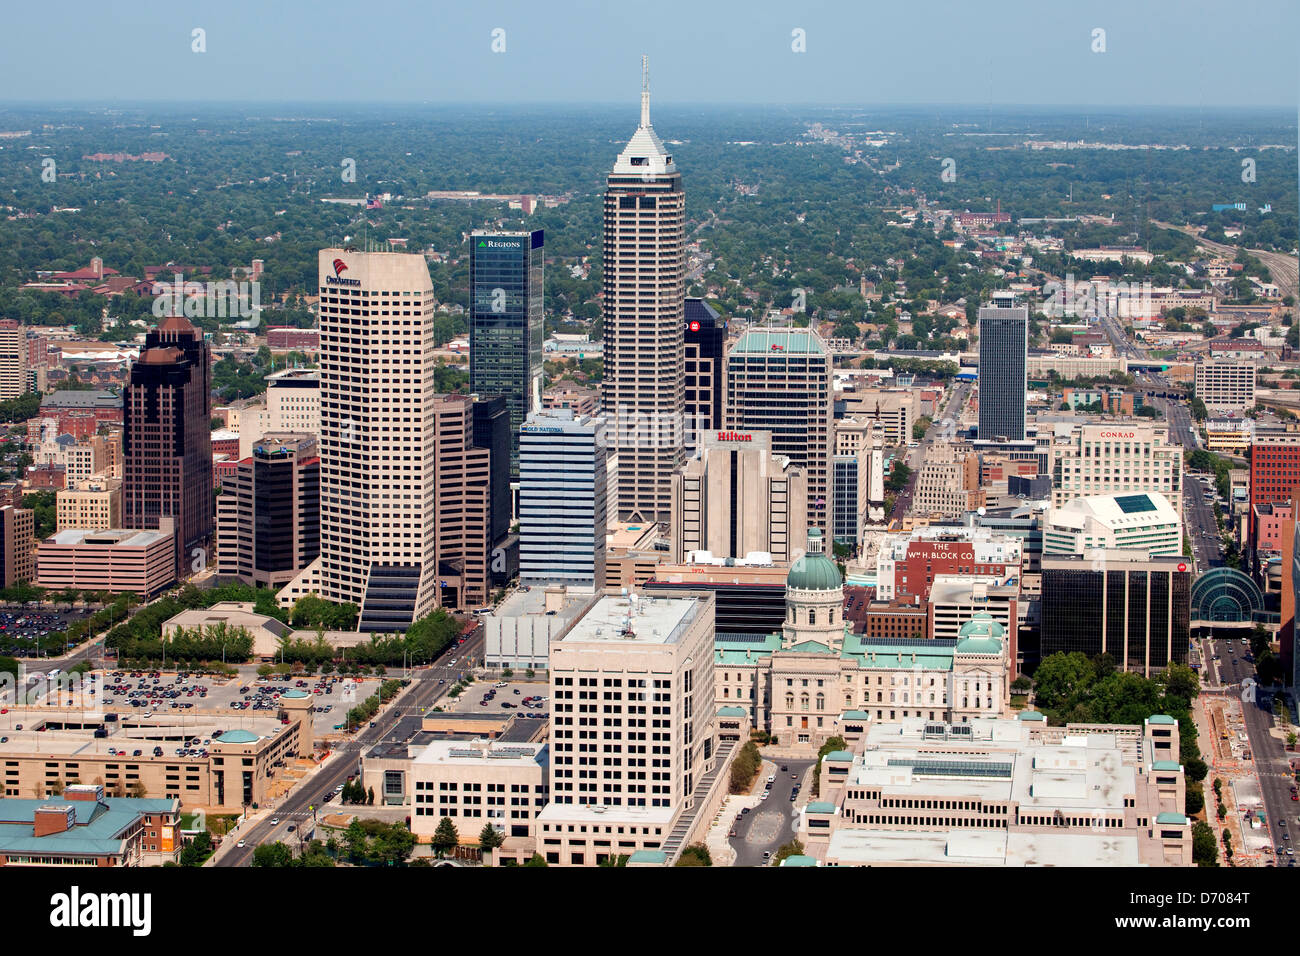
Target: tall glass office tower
{"x": 505, "y": 323}
{"x": 1004, "y": 358}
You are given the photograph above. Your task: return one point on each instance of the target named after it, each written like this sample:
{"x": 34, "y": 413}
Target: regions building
{"x": 736, "y": 498}
{"x": 83, "y": 826}
{"x": 506, "y": 279}
{"x": 1134, "y": 607}
{"x": 1225, "y": 386}
{"x": 779, "y": 381}
{"x": 633, "y": 730}
{"x": 1003, "y": 792}
{"x": 1144, "y": 522}
{"x": 1118, "y": 458}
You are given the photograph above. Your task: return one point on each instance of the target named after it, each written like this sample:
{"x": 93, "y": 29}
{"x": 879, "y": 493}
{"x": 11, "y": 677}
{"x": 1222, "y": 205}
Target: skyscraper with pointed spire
{"x": 644, "y": 290}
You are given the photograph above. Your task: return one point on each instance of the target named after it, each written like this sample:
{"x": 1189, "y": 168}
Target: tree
{"x": 273, "y": 855}
{"x": 1195, "y": 801}
{"x": 197, "y": 850}
{"x": 744, "y": 766}
{"x": 697, "y": 854}
{"x": 793, "y": 848}
{"x": 536, "y": 860}
{"x": 370, "y": 797}
{"x": 1022, "y": 684}
{"x": 1204, "y": 850}
{"x": 445, "y": 837}
{"x": 489, "y": 839}
{"x": 1059, "y": 678}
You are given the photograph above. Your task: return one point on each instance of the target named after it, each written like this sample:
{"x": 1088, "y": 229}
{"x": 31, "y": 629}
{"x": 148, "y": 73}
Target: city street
{"x": 317, "y": 789}
{"x": 770, "y": 825}
{"x": 1270, "y": 762}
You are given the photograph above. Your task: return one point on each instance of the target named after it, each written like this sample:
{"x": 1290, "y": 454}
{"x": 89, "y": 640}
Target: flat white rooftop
{"x": 634, "y": 619}
{"x": 566, "y": 813}
{"x": 981, "y": 848}
{"x": 112, "y": 537}
{"x": 462, "y": 753}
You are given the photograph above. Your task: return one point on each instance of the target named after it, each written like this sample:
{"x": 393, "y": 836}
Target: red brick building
{"x": 288, "y": 337}
{"x": 906, "y": 566}
{"x": 1274, "y": 470}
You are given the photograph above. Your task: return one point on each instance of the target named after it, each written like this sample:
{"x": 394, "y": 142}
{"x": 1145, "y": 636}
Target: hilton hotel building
{"x": 1116, "y": 459}
{"x": 735, "y": 497}
{"x": 378, "y": 545}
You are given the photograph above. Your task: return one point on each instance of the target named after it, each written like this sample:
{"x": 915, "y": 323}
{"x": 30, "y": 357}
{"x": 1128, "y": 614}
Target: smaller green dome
{"x": 238, "y": 737}
{"x": 295, "y": 694}
{"x": 980, "y": 635}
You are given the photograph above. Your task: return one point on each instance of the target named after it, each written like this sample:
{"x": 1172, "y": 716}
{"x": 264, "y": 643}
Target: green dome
{"x": 814, "y": 571}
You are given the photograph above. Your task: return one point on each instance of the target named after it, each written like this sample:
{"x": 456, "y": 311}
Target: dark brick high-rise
{"x": 166, "y": 443}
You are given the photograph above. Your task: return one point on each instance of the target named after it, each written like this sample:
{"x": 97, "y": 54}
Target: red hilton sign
{"x": 734, "y": 436}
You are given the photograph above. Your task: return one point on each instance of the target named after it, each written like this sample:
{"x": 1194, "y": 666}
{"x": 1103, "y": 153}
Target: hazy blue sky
{"x": 1158, "y": 52}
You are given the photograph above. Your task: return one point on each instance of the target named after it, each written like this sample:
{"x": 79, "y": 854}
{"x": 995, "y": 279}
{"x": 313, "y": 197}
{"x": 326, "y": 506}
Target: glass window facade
{"x": 505, "y": 323}
{"x": 1002, "y": 372}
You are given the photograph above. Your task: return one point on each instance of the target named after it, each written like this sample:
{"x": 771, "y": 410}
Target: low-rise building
{"x": 92, "y": 504}
{"x": 111, "y": 559}
{"x": 84, "y": 827}
{"x": 1003, "y": 792}
{"x": 1144, "y": 522}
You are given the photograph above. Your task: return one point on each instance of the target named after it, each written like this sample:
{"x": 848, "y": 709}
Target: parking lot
{"x": 172, "y": 692}
{"x": 484, "y": 697}
{"x": 24, "y": 631}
